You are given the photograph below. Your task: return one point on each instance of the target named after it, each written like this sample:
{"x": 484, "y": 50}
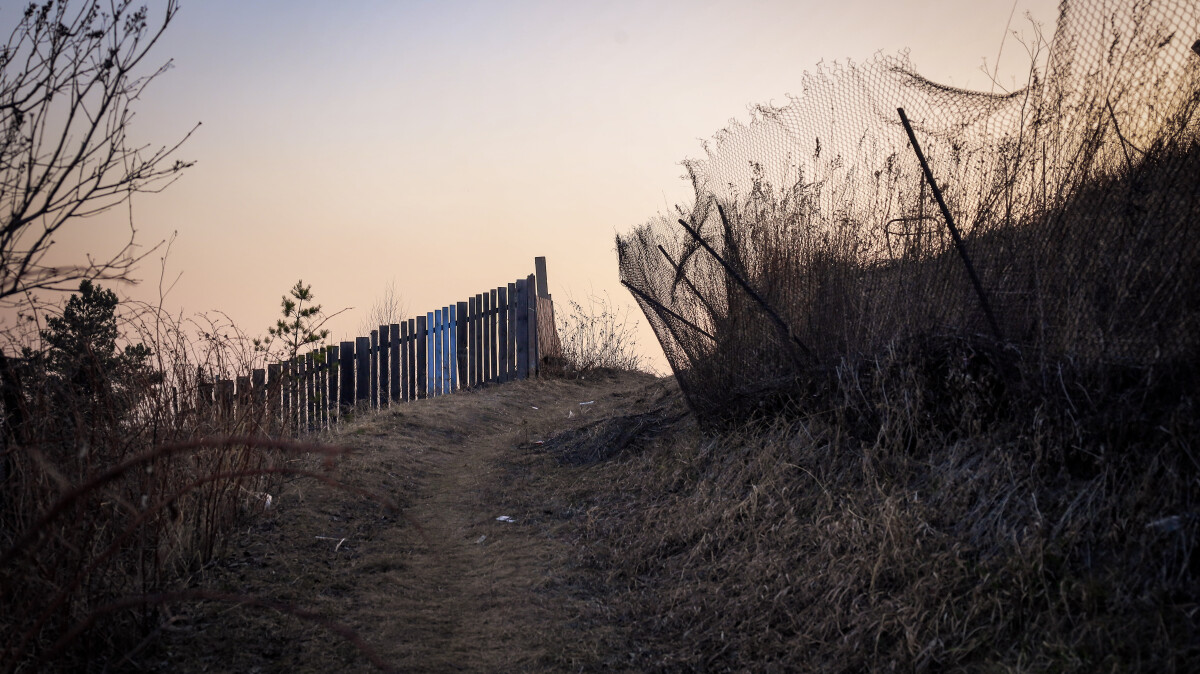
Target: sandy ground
{"x": 441, "y": 584}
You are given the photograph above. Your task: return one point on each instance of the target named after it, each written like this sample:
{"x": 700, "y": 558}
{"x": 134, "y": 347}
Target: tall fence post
{"x": 493, "y": 369}
{"x": 362, "y": 374}
{"x": 335, "y": 373}
{"x": 469, "y": 372}
{"x": 534, "y": 352}
{"x": 437, "y": 351}
{"x": 502, "y": 334}
{"x": 385, "y": 369}
{"x": 447, "y": 354}
{"x": 485, "y": 335}
{"x": 405, "y": 372}
{"x": 464, "y": 343}
{"x": 452, "y": 349}
{"x": 225, "y": 398}
{"x": 394, "y": 390}
{"x": 422, "y": 357}
{"x": 310, "y": 386}
{"x": 539, "y": 270}
{"x": 374, "y": 369}
{"x": 274, "y": 389}
{"x": 258, "y": 384}
{"x": 412, "y": 359}
{"x": 522, "y": 307}
{"x": 512, "y": 331}
{"x": 346, "y": 364}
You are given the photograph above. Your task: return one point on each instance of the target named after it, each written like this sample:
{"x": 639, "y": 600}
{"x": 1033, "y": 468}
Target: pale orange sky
{"x": 445, "y": 144}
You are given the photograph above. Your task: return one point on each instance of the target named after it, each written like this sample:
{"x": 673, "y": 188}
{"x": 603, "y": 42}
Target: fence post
{"x": 241, "y": 396}
{"x": 452, "y": 350}
{"x": 493, "y": 369}
{"x": 422, "y": 357}
{"x": 412, "y": 359}
{"x": 362, "y": 375}
{"x": 258, "y": 384}
{"x": 310, "y": 388}
{"x": 469, "y": 319}
{"x": 374, "y": 369}
{"x": 258, "y": 388}
{"x": 306, "y": 390}
{"x": 273, "y": 391}
{"x": 502, "y": 334}
{"x": 485, "y": 337}
{"x": 385, "y": 368}
{"x": 225, "y": 398}
{"x": 285, "y": 395}
{"x": 539, "y": 270}
{"x": 513, "y": 331}
{"x": 534, "y": 348}
{"x": 346, "y": 362}
{"x": 464, "y": 344}
{"x": 522, "y": 307}
{"x": 437, "y": 351}
{"x": 324, "y": 365}
{"x": 300, "y": 397}
{"x": 394, "y": 346}
{"x": 405, "y": 372}
{"x": 334, "y": 373}
{"x": 447, "y": 353}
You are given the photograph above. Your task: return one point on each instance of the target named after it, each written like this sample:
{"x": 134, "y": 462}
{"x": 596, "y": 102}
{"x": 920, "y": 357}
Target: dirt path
{"x": 443, "y": 585}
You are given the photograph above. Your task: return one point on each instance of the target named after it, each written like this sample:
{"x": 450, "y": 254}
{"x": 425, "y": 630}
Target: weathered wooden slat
{"x": 447, "y": 353}
{"x": 472, "y": 348}
{"x": 394, "y": 347}
{"x": 334, "y": 376}
{"x": 512, "y": 326}
{"x": 322, "y": 387}
{"x": 346, "y": 365}
{"x": 534, "y": 354}
{"x": 273, "y": 390}
{"x": 479, "y": 348}
{"x": 452, "y": 351}
{"x": 225, "y": 397}
{"x": 437, "y": 352}
{"x": 405, "y": 372}
{"x": 422, "y": 339}
{"x": 294, "y": 401}
{"x": 539, "y": 270}
{"x": 310, "y": 387}
{"x": 502, "y": 334}
{"x": 412, "y": 359}
{"x": 362, "y": 374}
{"x": 493, "y": 338}
{"x": 258, "y": 384}
{"x": 485, "y": 338}
{"x": 522, "y": 307}
{"x": 385, "y": 369}
{"x": 298, "y": 398}
{"x": 374, "y": 369}
{"x": 241, "y": 397}
{"x": 285, "y": 396}
{"x": 464, "y": 341}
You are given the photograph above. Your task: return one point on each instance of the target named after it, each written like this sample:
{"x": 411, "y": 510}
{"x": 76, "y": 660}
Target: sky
{"x": 441, "y": 146}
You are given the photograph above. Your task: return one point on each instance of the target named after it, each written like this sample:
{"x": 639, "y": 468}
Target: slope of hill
{"x": 631, "y": 541}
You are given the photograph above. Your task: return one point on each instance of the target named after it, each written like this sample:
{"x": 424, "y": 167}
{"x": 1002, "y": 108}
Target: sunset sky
{"x": 443, "y": 145}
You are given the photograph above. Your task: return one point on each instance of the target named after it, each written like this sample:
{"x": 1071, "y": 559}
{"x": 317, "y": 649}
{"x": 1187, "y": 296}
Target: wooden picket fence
{"x": 497, "y": 336}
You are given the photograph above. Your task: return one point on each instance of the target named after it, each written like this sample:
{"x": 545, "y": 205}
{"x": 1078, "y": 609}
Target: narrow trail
{"x": 443, "y": 585}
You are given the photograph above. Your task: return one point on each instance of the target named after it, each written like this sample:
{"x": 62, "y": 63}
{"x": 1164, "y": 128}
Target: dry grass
{"x": 903, "y": 533}
{"x": 596, "y": 335}
{"x": 111, "y": 500}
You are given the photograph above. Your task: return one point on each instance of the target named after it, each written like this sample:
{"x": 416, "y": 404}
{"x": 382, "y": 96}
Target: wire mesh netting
{"x": 814, "y": 238}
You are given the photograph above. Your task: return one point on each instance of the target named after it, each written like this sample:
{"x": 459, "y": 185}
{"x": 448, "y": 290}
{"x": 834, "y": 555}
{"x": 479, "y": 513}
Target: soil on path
{"x": 441, "y": 584}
